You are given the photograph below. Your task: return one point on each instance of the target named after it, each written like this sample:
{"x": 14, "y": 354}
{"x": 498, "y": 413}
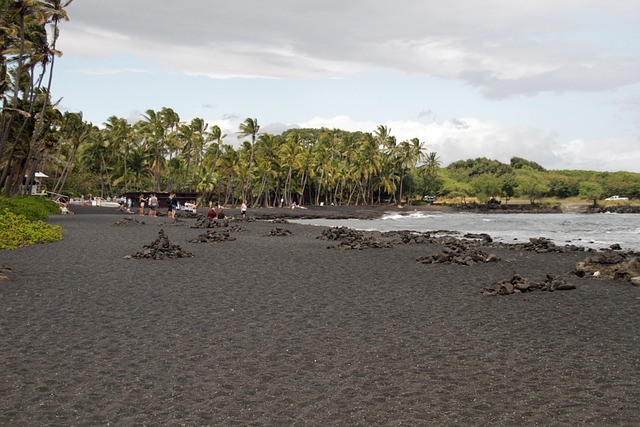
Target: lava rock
{"x": 160, "y": 249}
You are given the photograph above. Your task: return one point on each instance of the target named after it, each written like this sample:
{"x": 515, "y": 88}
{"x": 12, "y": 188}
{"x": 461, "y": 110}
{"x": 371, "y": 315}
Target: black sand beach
{"x": 284, "y": 331}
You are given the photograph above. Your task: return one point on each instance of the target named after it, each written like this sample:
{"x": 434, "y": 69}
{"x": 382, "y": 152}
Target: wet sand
{"x": 284, "y": 331}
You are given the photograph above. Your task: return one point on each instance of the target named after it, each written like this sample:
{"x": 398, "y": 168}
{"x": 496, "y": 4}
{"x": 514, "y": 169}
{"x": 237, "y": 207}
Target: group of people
{"x": 219, "y": 214}
{"x": 125, "y": 204}
{"x": 213, "y": 214}
{"x": 151, "y": 201}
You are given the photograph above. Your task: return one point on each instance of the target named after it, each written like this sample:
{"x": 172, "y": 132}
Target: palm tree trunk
{"x": 126, "y": 155}
{"x": 4, "y": 138}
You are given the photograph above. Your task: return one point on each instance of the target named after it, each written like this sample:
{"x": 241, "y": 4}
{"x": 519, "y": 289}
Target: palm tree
{"x": 118, "y": 131}
{"x": 210, "y": 163}
{"x": 303, "y": 165}
{"x": 387, "y": 146}
{"x": 152, "y": 130}
{"x": 171, "y": 143}
{"x": 216, "y": 135}
{"x": 197, "y": 145}
{"x": 231, "y": 168}
{"x": 75, "y": 130}
{"x": 289, "y": 152}
{"x": 432, "y": 164}
{"x": 95, "y": 154}
{"x": 369, "y": 162}
{"x": 267, "y": 155}
{"x": 26, "y": 73}
{"x": 410, "y": 153}
{"x": 159, "y": 133}
{"x": 139, "y": 166}
{"x": 384, "y": 139}
{"x": 250, "y": 128}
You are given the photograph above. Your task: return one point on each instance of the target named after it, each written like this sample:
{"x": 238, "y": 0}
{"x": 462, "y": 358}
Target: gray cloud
{"x": 459, "y": 124}
{"x": 231, "y": 117}
{"x": 502, "y": 49}
{"x": 426, "y": 114}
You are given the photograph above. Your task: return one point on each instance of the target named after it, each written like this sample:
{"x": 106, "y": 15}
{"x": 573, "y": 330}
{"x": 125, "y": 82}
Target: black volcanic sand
{"x": 283, "y": 331}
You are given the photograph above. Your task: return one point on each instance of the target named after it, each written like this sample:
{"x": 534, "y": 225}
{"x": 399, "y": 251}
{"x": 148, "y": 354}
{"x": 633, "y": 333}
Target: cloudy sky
{"x": 556, "y": 82}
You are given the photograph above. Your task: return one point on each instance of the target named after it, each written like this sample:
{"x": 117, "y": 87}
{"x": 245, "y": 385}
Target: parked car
{"x": 429, "y": 199}
{"x": 614, "y": 198}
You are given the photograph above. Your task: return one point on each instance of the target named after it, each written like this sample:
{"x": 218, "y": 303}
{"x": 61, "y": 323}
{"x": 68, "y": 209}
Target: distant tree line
{"x": 483, "y": 179}
{"x": 305, "y": 166}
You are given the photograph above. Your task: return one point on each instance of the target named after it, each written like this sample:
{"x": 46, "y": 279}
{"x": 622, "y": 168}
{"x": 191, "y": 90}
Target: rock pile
{"x": 518, "y": 284}
{"x": 186, "y": 214}
{"x": 161, "y": 248}
{"x": 204, "y": 221}
{"x": 212, "y": 236}
{"x": 611, "y": 265}
{"x": 484, "y": 237}
{"x": 406, "y": 237}
{"x": 128, "y": 221}
{"x": 622, "y": 209}
{"x": 543, "y": 245}
{"x": 174, "y": 222}
{"x": 280, "y": 221}
{"x": 459, "y": 252}
{"x": 278, "y": 232}
{"x": 352, "y": 239}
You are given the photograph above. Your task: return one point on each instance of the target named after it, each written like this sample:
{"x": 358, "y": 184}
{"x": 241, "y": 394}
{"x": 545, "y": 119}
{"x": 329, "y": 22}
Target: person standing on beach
{"x": 143, "y": 199}
{"x": 243, "y": 210}
{"x": 153, "y": 205}
{"x": 171, "y": 205}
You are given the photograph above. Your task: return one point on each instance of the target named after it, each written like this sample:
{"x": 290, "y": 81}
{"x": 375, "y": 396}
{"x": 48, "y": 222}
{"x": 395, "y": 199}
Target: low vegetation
{"x": 21, "y": 222}
{"x": 31, "y": 207}
{"x": 482, "y": 179}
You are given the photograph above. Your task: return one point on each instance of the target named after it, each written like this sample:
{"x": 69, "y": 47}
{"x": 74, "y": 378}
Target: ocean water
{"x": 588, "y": 230}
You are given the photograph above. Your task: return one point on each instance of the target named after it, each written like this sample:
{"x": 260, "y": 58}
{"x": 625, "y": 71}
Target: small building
{"x": 37, "y": 186}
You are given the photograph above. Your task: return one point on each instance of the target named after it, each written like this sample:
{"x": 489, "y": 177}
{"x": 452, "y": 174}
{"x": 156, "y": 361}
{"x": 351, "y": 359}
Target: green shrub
{"x": 17, "y": 230}
{"x": 31, "y": 207}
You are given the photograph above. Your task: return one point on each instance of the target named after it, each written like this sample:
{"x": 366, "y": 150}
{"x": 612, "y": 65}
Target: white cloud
{"x": 467, "y": 138}
{"x": 600, "y": 154}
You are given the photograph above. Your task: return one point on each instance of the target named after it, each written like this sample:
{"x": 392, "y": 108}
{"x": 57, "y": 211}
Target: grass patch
{"x": 31, "y": 207}
{"x": 21, "y": 221}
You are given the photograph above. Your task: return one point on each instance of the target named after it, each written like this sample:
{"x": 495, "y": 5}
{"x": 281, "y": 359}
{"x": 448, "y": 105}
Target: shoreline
{"x": 379, "y": 211}
{"x": 376, "y": 211}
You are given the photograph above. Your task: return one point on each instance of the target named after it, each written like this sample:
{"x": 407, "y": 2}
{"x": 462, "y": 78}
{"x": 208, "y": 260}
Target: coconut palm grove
{"x": 164, "y": 153}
